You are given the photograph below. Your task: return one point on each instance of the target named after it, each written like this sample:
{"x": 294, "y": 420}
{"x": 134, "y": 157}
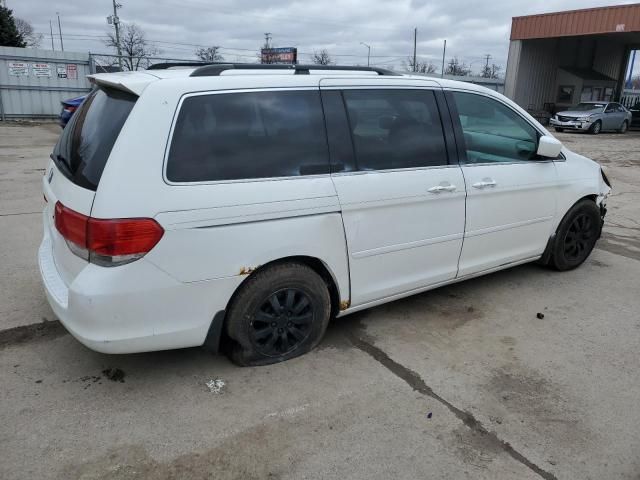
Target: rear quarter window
{"x": 86, "y": 142}
{"x": 232, "y": 136}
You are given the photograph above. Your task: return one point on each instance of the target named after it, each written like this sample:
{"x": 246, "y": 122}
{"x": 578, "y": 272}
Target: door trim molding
{"x": 406, "y": 246}
{"x": 508, "y": 226}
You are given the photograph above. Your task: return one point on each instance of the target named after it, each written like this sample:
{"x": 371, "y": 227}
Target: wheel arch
{"x": 216, "y": 337}
{"x": 318, "y": 266}
{"x": 546, "y": 255}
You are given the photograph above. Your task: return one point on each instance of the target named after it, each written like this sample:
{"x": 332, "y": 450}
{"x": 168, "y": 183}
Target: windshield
{"x": 584, "y": 107}
{"x": 87, "y": 140}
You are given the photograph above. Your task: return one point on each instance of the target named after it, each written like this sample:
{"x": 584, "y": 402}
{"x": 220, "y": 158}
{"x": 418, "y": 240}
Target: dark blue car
{"x": 68, "y": 107}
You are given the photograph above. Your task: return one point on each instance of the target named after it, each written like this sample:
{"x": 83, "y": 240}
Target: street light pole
{"x": 368, "y": 52}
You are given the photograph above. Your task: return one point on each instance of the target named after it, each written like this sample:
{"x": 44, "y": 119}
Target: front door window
{"x": 493, "y": 132}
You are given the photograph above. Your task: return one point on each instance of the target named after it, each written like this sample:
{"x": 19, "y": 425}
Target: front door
{"x": 510, "y": 195}
{"x": 402, "y": 199}
{"x": 610, "y": 117}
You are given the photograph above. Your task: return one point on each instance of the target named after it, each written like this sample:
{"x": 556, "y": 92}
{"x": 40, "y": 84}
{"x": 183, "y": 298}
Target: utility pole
{"x": 267, "y": 57}
{"x": 486, "y": 72}
{"x": 368, "y": 52}
{"x": 60, "y": 32}
{"x": 444, "y": 51}
{"x": 415, "y": 36}
{"x": 51, "y": 30}
{"x": 116, "y": 24}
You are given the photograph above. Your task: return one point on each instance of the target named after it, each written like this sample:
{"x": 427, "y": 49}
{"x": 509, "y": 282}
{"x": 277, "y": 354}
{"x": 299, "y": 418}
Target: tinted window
{"x": 86, "y": 142}
{"x": 493, "y": 132}
{"x": 395, "y": 129}
{"x": 248, "y": 135}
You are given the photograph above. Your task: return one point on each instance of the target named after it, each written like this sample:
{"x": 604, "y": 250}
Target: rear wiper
{"x": 61, "y": 162}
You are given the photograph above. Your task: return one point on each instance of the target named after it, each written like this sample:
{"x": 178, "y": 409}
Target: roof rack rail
{"x": 215, "y": 69}
{"x": 167, "y": 65}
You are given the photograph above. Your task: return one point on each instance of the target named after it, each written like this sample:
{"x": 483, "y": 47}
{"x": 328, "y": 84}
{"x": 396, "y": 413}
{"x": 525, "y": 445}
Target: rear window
{"x": 395, "y": 129}
{"x": 234, "y": 136}
{"x": 87, "y": 140}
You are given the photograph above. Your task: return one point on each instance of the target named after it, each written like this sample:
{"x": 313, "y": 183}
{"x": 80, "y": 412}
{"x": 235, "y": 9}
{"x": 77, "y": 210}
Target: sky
{"x": 178, "y": 27}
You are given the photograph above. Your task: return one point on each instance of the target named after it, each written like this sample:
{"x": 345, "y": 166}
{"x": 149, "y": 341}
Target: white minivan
{"x": 189, "y": 205}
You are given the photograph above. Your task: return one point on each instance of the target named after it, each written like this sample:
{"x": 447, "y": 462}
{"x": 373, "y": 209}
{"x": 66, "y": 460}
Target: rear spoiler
{"x": 131, "y": 82}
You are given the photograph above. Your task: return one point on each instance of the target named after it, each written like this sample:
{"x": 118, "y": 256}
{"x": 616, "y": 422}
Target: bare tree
{"x": 30, "y": 37}
{"x": 490, "y": 71}
{"x": 419, "y": 67}
{"x": 136, "y": 50}
{"x": 209, "y": 54}
{"x": 454, "y": 67}
{"x": 322, "y": 58}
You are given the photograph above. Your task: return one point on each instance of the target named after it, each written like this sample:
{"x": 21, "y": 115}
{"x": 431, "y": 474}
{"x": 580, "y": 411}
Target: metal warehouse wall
{"x": 34, "y": 81}
{"x": 532, "y": 65}
{"x": 532, "y": 76}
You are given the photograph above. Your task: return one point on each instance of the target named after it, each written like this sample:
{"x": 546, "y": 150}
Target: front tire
{"x": 624, "y": 127}
{"x": 596, "y": 128}
{"x": 576, "y": 236}
{"x": 558, "y": 129}
{"x": 279, "y": 313}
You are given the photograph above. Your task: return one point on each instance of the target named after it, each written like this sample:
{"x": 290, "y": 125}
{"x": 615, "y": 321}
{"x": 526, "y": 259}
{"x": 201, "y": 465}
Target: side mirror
{"x": 549, "y": 147}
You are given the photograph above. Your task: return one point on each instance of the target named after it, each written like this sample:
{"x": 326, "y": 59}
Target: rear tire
{"x": 624, "y": 127}
{"x": 279, "y": 313}
{"x": 576, "y": 236}
{"x": 596, "y": 128}
{"x": 558, "y": 129}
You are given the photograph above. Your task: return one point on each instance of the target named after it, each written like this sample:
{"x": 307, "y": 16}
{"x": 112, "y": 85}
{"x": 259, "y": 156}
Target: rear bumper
{"x": 571, "y": 125}
{"x": 132, "y": 308}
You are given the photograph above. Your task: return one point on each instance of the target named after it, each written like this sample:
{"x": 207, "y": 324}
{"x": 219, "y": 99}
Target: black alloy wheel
{"x": 280, "y": 312}
{"x": 282, "y": 322}
{"x": 579, "y": 238}
{"x": 575, "y": 237}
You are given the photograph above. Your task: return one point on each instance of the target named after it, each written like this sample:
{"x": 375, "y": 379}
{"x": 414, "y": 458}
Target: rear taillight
{"x": 70, "y": 108}
{"x": 107, "y": 242}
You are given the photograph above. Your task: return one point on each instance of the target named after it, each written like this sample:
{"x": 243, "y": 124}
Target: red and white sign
{"x": 72, "y": 71}
{"x": 41, "y": 69}
{"x": 18, "y": 69}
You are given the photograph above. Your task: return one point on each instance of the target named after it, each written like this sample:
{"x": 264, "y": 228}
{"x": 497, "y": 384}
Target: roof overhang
{"x": 589, "y": 21}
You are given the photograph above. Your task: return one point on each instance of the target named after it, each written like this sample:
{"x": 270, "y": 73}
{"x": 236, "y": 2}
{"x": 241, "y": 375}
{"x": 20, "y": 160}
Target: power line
{"x": 228, "y": 50}
{"x": 198, "y": 45}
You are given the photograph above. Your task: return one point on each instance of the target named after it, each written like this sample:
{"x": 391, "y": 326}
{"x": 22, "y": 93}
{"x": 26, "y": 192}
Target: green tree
{"x": 9, "y": 35}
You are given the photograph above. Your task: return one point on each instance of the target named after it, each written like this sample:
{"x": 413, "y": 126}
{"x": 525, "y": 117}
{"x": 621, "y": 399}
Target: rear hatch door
{"x": 76, "y": 165}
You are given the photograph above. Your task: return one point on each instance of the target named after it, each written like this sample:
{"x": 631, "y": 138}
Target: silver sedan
{"x": 593, "y": 117}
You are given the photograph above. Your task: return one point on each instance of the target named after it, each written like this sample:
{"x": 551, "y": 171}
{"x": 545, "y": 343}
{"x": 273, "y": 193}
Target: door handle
{"x": 442, "y": 188}
{"x": 486, "y": 182}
